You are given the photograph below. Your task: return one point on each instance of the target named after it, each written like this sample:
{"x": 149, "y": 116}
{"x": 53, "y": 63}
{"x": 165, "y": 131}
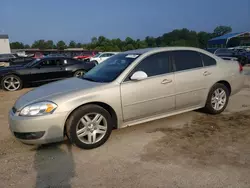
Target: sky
{"x": 80, "y": 20}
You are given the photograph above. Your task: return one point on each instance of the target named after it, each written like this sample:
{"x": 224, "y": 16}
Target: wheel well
{"x": 1, "y": 78}
{"x": 79, "y": 70}
{"x": 103, "y": 105}
{"x": 225, "y": 83}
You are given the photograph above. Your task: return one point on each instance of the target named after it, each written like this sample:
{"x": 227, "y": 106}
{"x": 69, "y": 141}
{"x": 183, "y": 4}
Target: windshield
{"x": 32, "y": 63}
{"x": 111, "y": 68}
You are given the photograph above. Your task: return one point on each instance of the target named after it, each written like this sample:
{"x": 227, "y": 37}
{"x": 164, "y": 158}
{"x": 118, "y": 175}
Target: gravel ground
{"x": 187, "y": 150}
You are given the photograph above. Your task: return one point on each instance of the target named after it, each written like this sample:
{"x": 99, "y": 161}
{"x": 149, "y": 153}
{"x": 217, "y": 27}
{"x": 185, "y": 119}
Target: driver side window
{"x": 154, "y": 65}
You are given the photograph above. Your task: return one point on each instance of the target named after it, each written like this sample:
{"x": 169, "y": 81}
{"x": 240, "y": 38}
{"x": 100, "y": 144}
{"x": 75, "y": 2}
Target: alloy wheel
{"x": 91, "y": 128}
{"x": 219, "y": 99}
{"x": 11, "y": 84}
{"x": 79, "y": 74}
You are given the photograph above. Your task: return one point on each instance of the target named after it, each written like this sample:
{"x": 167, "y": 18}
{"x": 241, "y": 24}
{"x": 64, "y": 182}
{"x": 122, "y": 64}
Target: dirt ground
{"x": 188, "y": 150}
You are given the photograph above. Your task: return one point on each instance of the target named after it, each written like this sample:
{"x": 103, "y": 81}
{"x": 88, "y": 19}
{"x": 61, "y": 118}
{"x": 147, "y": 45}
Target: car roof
{"x": 145, "y": 50}
{"x": 109, "y": 52}
{"x": 55, "y": 57}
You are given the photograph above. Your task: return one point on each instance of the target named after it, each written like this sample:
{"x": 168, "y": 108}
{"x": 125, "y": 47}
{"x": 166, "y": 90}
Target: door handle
{"x": 166, "y": 81}
{"x": 206, "y": 73}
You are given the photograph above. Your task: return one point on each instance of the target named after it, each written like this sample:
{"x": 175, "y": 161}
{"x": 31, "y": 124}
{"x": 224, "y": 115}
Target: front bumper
{"x": 39, "y": 129}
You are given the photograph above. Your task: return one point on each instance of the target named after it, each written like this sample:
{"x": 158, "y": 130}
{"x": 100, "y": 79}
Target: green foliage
{"x": 222, "y": 30}
{"x": 42, "y": 44}
{"x": 16, "y": 45}
{"x": 177, "y": 37}
{"x": 26, "y": 46}
{"x": 72, "y": 44}
{"x": 61, "y": 45}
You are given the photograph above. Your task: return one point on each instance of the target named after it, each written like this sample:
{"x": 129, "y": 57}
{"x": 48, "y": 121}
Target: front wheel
{"x": 217, "y": 99}
{"x": 11, "y": 83}
{"x": 89, "y": 126}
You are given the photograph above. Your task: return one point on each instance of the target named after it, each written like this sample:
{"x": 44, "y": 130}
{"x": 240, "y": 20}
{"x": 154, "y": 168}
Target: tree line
{"x": 177, "y": 37}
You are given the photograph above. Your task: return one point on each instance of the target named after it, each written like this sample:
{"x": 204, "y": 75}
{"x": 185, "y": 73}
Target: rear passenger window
{"x": 185, "y": 59}
{"x": 155, "y": 64}
{"x": 207, "y": 60}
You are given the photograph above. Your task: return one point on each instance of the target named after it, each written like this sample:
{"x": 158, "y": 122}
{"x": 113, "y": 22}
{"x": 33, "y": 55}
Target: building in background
{"x": 4, "y": 44}
{"x": 230, "y": 40}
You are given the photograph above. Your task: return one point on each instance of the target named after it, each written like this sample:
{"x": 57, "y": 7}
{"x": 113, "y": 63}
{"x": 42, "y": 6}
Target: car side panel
{"x": 148, "y": 97}
{"x": 108, "y": 94}
{"x": 190, "y": 88}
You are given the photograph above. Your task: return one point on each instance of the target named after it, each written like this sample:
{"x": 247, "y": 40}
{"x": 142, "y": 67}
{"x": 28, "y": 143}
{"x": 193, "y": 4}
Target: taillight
{"x": 240, "y": 67}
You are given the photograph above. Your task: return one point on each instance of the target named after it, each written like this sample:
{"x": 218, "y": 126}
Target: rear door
{"x": 211, "y": 73}
{"x": 189, "y": 79}
{"x": 153, "y": 95}
{"x": 67, "y": 67}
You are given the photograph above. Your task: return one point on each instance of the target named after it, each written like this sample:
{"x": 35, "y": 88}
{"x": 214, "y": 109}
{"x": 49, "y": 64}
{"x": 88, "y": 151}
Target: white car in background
{"x": 100, "y": 57}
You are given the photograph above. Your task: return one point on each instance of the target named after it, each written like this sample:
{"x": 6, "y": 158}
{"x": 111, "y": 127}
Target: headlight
{"x": 37, "y": 109}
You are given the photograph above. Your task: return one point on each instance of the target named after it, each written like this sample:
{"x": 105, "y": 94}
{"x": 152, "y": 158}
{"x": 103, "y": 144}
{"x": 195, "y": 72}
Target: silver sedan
{"x": 129, "y": 88}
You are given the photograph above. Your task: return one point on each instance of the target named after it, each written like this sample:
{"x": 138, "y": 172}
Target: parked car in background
{"x": 20, "y": 61}
{"x": 38, "y": 55}
{"x": 55, "y": 55}
{"x": 41, "y": 71}
{"x": 240, "y": 55}
{"x": 7, "y": 57}
{"x": 100, "y": 57}
{"x": 84, "y": 56}
{"x": 129, "y": 88}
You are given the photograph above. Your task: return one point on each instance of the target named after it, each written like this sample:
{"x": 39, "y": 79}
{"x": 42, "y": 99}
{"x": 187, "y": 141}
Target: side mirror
{"x": 138, "y": 75}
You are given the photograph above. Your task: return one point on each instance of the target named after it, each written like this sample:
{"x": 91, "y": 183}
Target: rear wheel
{"x": 79, "y": 73}
{"x": 11, "y": 83}
{"x": 217, "y": 99}
{"x": 89, "y": 126}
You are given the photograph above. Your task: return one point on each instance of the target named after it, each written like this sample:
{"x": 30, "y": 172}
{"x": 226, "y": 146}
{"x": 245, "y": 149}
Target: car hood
{"x": 53, "y": 89}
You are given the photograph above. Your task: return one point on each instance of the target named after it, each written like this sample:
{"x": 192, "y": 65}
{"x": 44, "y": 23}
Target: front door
{"x": 153, "y": 95}
{"x": 47, "y": 70}
{"x": 189, "y": 79}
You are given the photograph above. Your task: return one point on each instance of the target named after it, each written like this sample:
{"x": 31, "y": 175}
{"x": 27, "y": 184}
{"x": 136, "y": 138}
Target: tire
{"x": 211, "y": 100}
{"x": 11, "y": 83}
{"x": 88, "y": 129}
{"x": 79, "y": 73}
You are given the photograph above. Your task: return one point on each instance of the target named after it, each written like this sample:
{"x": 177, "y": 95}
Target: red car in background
{"x": 36, "y": 55}
{"x": 84, "y": 56}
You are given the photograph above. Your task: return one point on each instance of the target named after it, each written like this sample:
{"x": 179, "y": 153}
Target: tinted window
{"x": 50, "y": 63}
{"x": 207, "y": 60}
{"x": 185, "y": 60}
{"x": 155, "y": 64}
{"x": 109, "y": 55}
